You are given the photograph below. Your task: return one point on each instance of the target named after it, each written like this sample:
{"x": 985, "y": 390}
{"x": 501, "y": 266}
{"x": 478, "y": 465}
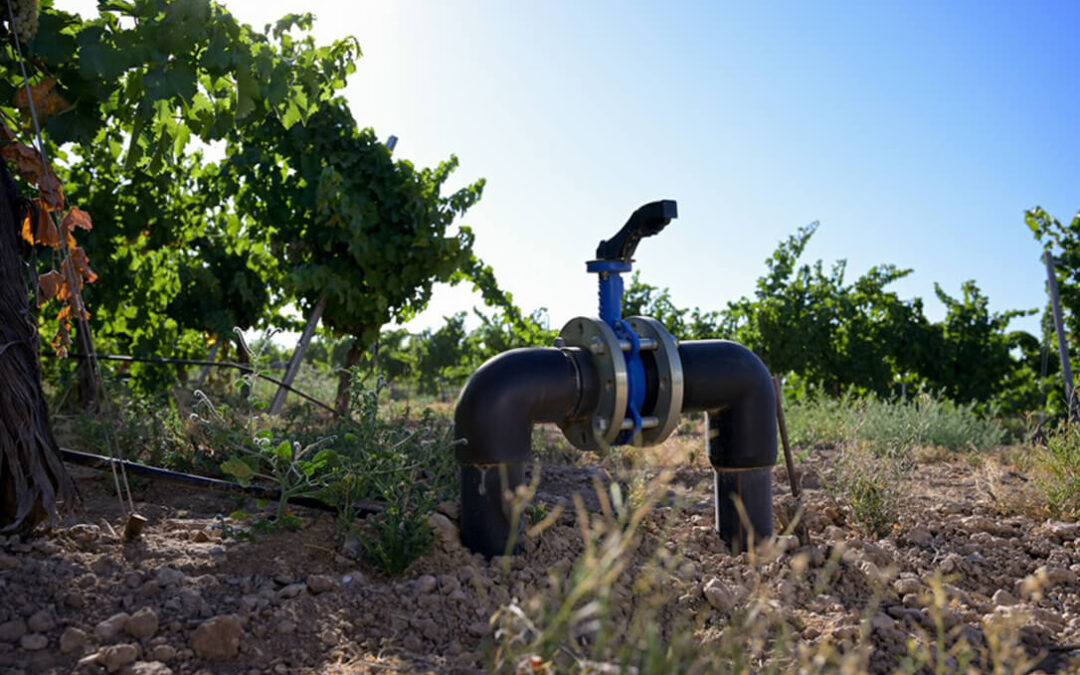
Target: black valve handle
{"x": 648, "y": 220}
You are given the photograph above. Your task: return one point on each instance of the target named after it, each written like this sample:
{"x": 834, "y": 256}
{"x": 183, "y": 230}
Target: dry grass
{"x": 625, "y": 607}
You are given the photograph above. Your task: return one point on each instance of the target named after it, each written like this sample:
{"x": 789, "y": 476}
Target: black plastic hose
{"x": 203, "y": 483}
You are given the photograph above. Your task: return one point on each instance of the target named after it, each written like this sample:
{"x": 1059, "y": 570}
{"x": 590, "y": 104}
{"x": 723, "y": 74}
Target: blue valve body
{"x": 611, "y": 292}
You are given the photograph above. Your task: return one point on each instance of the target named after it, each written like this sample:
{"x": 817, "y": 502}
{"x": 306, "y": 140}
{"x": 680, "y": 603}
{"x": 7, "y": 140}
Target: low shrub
{"x": 1057, "y": 465}
{"x": 892, "y": 427}
{"x": 869, "y": 485}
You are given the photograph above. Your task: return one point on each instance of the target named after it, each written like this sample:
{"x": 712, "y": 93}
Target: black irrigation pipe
{"x": 192, "y": 362}
{"x": 364, "y": 508}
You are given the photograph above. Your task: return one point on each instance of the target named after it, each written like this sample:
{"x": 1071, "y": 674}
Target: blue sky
{"x": 916, "y": 132}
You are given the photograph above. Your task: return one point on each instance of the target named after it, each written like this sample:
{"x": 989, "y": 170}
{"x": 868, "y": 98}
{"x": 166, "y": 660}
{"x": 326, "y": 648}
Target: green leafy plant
{"x": 294, "y": 470}
{"x": 1058, "y": 471}
{"x": 404, "y": 463}
{"x": 869, "y": 485}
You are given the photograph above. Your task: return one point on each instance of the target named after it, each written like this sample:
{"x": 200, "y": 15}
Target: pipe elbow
{"x": 506, "y": 396}
{"x": 733, "y": 385}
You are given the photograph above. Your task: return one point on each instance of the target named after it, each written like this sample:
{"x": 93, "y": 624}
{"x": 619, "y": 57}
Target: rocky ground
{"x": 186, "y": 597}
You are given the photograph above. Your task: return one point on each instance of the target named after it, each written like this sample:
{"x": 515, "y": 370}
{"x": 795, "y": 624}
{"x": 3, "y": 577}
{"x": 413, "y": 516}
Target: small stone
{"x": 142, "y": 624}
{"x": 1063, "y": 530}
{"x": 41, "y": 621}
{"x": 448, "y": 583}
{"x": 951, "y": 564}
{"x": 479, "y": 629}
{"x": 72, "y": 639}
{"x": 321, "y": 583}
{"x": 74, "y": 600}
{"x": 32, "y": 642}
{"x": 167, "y": 576}
{"x": 12, "y": 631}
{"x": 286, "y": 627}
{"x": 1003, "y": 598}
{"x": 881, "y": 622}
{"x": 163, "y": 653}
{"x": 109, "y": 628}
{"x": 8, "y": 562}
{"x": 905, "y": 585}
{"x": 116, "y": 657}
{"x": 291, "y": 591}
{"x": 200, "y": 536}
{"x": 150, "y": 668}
{"x": 445, "y": 529}
{"x": 920, "y": 537}
{"x": 1059, "y": 576}
{"x": 834, "y": 533}
{"x": 354, "y": 579}
{"x": 718, "y": 595}
{"x": 426, "y": 584}
{"x": 218, "y": 637}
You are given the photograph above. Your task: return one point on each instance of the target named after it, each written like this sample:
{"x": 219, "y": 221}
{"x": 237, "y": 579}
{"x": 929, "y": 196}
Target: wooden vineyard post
{"x": 1059, "y": 328}
{"x": 298, "y": 355}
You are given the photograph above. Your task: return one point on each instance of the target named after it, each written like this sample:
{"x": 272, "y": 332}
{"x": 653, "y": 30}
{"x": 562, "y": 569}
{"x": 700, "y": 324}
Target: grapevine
{"x": 26, "y": 19}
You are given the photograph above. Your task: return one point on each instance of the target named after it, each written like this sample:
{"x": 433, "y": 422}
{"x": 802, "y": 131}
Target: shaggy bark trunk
{"x": 352, "y": 359}
{"x": 33, "y": 479}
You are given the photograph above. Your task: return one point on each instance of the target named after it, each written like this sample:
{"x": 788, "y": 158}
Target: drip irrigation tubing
{"x": 363, "y": 508}
{"x": 160, "y": 360}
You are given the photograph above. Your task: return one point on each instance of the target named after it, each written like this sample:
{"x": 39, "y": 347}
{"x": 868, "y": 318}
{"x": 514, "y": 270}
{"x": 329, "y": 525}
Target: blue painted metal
{"x": 611, "y": 291}
{"x": 611, "y": 288}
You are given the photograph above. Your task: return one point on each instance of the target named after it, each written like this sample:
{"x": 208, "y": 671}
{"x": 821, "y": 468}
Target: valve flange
{"x": 663, "y": 383}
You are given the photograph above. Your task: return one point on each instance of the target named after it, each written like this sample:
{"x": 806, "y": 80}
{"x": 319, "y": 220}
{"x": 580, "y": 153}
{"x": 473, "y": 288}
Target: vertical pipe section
{"x": 493, "y": 423}
{"x": 731, "y": 384}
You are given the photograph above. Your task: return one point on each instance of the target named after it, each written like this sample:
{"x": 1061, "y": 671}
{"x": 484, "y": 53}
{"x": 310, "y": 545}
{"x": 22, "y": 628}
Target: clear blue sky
{"x": 916, "y": 132}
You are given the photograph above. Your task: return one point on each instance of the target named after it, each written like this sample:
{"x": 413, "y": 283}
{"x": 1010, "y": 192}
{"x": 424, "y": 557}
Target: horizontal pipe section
{"x": 732, "y": 385}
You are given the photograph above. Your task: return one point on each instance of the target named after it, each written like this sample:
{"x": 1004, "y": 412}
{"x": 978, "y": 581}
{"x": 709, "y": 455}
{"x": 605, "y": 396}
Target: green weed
{"x": 869, "y": 485}
{"x": 892, "y": 427}
{"x": 1057, "y": 466}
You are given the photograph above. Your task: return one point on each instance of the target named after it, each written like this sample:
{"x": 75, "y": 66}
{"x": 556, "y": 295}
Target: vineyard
{"x": 247, "y": 505}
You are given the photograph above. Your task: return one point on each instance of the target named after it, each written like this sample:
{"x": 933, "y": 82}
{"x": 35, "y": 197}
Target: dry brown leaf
{"x": 81, "y": 264}
{"x": 44, "y": 228}
{"x": 50, "y": 190}
{"x": 47, "y": 101}
{"x": 27, "y": 161}
{"x": 76, "y": 217}
{"x": 50, "y": 285}
{"x": 28, "y": 227}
